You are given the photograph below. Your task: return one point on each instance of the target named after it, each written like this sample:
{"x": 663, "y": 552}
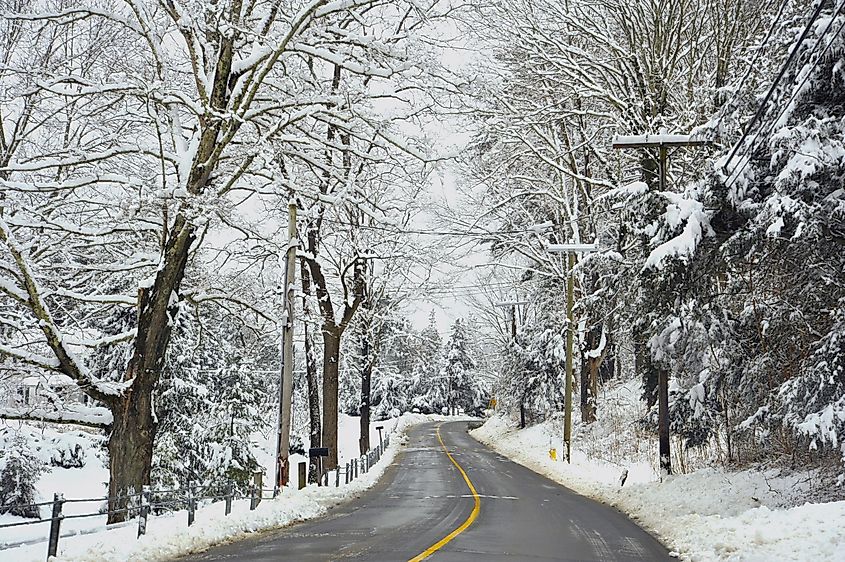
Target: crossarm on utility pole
{"x": 662, "y": 142}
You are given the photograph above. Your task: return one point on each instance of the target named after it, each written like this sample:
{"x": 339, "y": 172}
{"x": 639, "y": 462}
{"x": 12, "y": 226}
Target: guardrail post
{"x": 145, "y": 510}
{"x": 337, "y": 477}
{"x": 354, "y": 469}
{"x": 229, "y": 494}
{"x": 55, "y": 525}
{"x": 346, "y": 476}
{"x": 191, "y": 505}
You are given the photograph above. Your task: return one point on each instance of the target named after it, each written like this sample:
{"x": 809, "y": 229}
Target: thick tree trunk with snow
{"x": 332, "y": 332}
{"x": 331, "y": 357}
{"x": 130, "y": 452}
{"x": 590, "y": 374}
{"x": 134, "y": 426}
{"x": 315, "y": 424}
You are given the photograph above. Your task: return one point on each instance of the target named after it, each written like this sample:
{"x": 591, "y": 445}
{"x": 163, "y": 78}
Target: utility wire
{"x": 759, "y": 50}
{"x": 754, "y": 147}
{"x": 763, "y": 106}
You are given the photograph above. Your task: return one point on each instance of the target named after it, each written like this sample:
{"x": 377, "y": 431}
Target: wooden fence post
{"x": 229, "y": 494}
{"x": 191, "y": 504}
{"x": 257, "y": 486}
{"x": 55, "y": 525}
{"x": 145, "y": 510}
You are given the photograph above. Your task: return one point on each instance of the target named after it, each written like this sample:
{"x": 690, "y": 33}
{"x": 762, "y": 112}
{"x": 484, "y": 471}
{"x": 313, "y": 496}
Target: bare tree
{"x": 132, "y": 145}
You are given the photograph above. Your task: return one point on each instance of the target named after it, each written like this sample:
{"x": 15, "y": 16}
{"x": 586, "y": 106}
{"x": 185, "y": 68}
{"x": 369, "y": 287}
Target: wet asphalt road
{"x": 423, "y": 497}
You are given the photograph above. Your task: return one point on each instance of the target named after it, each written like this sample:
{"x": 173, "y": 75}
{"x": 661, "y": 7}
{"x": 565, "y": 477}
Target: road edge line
{"x": 469, "y": 520}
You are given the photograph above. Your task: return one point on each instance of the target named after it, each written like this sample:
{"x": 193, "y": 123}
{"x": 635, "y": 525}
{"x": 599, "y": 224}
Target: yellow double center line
{"x": 472, "y": 516}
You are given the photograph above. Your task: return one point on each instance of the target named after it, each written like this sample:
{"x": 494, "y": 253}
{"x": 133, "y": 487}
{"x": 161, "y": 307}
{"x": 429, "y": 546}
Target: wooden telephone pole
{"x": 570, "y": 250}
{"x": 286, "y": 390}
{"x": 663, "y": 143}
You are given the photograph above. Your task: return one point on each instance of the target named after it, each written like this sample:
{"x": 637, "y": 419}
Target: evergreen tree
{"x": 459, "y": 385}
{"x": 19, "y": 472}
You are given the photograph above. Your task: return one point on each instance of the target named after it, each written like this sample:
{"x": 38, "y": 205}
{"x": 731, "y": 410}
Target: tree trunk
{"x": 585, "y": 394}
{"x": 590, "y": 367}
{"x": 314, "y": 469}
{"x": 314, "y": 422}
{"x": 593, "y": 388}
{"x": 130, "y": 452}
{"x": 331, "y": 356}
{"x": 366, "y": 376}
{"x": 134, "y": 426}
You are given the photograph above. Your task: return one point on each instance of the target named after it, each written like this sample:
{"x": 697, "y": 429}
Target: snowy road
{"x": 423, "y": 499}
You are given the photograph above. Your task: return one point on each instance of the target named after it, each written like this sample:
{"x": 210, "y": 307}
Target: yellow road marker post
{"x": 463, "y": 526}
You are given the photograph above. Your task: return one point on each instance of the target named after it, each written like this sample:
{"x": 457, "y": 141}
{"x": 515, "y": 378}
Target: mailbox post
{"x": 319, "y": 452}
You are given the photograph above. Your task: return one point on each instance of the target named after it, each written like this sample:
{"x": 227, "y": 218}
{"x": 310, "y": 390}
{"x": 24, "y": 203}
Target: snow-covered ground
{"x": 707, "y": 514}
{"x": 168, "y": 535}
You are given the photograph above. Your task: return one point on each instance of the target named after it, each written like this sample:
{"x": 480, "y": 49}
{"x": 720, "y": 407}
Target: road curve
{"x": 423, "y": 498}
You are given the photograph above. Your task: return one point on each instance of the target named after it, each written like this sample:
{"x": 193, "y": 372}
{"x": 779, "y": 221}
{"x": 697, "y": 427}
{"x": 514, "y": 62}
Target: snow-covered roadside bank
{"x": 168, "y": 535}
{"x": 708, "y": 515}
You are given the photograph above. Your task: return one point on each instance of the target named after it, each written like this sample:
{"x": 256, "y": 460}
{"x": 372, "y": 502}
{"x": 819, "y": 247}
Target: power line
{"x": 762, "y": 109}
{"x": 762, "y": 46}
{"x": 479, "y": 234}
{"x": 751, "y": 152}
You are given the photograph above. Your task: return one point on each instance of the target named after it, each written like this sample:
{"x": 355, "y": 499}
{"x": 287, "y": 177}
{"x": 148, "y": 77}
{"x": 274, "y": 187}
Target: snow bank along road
{"x": 426, "y": 506}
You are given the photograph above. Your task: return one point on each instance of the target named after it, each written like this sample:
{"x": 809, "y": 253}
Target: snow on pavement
{"x": 707, "y": 515}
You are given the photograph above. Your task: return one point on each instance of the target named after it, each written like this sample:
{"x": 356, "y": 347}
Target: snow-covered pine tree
{"x": 20, "y": 469}
{"x": 424, "y": 389}
{"x": 781, "y": 215}
{"x": 534, "y": 377}
{"x": 457, "y": 379}
{"x": 212, "y": 399}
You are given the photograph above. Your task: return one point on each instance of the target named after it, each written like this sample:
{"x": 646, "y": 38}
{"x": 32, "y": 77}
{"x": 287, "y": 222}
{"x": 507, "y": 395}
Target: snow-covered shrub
{"x": 71, "y": 449}
{"x": 389, "y": 394}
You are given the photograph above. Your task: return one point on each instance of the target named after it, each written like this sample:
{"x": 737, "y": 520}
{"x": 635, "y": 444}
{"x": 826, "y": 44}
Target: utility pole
{"x": 663, "y": 143}
{"x": 570, "y": 250}
{"x": 286, "y": 386}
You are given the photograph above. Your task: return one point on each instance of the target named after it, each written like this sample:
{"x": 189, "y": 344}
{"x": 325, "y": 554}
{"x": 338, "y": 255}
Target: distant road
{"x": 424, "y": 508}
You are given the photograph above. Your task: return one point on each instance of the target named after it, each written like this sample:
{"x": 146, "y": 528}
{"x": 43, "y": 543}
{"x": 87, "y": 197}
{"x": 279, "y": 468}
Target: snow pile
{"x": 169, "y": 536}
{"x": 707, "y": 515}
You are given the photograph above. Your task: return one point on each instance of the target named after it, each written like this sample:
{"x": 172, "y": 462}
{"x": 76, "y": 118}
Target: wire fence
{"x": 159, "y": 501}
